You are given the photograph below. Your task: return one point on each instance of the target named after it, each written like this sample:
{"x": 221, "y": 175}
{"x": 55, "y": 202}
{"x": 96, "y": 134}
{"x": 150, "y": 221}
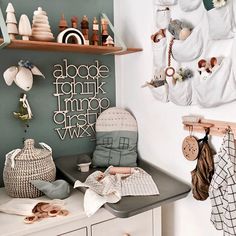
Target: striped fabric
{"x": 222, "y": 189}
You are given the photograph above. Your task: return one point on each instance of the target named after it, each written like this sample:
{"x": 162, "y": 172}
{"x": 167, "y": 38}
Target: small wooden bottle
{"x": 95, "y": 36}
{"x": 62, "y": 24}
{"x": 85, "y": 29}
{"x": 74, "y": 24}
{"x": 105, "y": 34}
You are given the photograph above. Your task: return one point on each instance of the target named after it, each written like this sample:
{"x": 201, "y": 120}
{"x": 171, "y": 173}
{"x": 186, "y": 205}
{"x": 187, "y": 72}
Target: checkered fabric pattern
{"x": 222, "y": 189}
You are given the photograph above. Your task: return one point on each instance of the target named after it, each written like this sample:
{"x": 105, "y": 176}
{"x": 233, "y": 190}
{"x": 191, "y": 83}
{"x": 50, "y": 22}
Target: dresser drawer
{"x": 138, "y": 225}
{"x": 77, "y": 232}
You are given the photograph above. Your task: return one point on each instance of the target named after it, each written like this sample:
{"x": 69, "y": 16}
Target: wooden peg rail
{"x": 217, "y": 128}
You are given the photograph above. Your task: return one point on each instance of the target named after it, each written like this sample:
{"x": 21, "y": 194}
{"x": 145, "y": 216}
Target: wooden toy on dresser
{"x": 25, "y": 27}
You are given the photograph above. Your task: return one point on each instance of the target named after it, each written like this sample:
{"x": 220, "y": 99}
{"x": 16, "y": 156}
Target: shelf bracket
{"x": 118, "y": 39}
{"x": 6, "y": 38}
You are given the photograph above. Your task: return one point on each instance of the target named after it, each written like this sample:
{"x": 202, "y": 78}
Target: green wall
{"x": 41, "y": 98}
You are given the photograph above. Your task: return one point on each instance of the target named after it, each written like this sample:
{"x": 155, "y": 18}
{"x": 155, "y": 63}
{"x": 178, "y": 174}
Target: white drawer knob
{"x": 126, "y": 234}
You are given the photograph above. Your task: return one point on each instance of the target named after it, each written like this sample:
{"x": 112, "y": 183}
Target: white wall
{"x": 160, "y": 127}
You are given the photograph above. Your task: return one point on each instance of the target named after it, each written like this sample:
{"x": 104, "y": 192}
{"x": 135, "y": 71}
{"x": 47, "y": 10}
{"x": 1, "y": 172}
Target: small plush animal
{"x": 180, "y": 30}
{"x": 22, "y": 75}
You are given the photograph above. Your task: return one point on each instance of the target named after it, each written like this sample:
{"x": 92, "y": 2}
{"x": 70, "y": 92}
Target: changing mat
{"x": 103, "y": 188}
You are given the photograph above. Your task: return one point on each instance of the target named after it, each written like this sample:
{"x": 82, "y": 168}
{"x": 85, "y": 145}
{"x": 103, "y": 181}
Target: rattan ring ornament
{"x": 190, "y": 147}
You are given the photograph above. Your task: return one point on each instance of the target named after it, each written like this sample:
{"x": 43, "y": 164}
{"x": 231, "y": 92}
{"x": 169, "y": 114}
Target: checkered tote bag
{"x": 222, "y": 189}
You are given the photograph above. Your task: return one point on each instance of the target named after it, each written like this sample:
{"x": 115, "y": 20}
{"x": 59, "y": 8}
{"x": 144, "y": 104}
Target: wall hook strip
{"x": 216, "y": 127}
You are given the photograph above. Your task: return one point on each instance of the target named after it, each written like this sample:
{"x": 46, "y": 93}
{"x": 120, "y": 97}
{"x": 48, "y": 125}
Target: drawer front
{"x": 138, "y": 225}
{"x": 78, "y": 232}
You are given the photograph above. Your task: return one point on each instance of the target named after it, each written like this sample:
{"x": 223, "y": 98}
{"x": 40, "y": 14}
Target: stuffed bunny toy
{"x": 22, "y": 75}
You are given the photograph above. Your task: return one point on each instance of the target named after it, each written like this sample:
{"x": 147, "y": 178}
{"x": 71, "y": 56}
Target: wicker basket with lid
{"x": 28, "y": 164}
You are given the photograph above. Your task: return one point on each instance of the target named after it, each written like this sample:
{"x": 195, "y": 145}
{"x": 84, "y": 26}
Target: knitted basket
{"x": 28, "y": 164}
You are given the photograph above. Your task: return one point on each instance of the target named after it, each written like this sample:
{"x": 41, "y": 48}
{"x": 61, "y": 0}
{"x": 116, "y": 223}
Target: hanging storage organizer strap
{"x": 6, "y": 38}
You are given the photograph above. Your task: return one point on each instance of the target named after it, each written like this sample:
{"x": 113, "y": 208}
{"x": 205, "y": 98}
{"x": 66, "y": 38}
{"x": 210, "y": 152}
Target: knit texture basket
{"x": 29, "y": 164}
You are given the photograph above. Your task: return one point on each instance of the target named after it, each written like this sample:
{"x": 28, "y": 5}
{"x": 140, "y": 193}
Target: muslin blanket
{"x": 103, "y": 187}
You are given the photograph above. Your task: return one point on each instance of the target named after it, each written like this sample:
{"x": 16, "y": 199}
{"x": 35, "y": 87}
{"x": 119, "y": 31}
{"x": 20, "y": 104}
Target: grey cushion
{"x": 116, "y": 139}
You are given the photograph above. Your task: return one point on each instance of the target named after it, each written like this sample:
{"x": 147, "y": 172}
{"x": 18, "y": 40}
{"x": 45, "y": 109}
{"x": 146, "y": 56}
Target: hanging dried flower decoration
{"x": 219, "y": 3}
{"x": 24, "y": 114}
{"x": 182, "y": 74}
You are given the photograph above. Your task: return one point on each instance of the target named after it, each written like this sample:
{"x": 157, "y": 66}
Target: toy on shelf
{"x": 63, "y": 23}
{"x": 41, "y": 29}
{"x": 74, "y": 22}
{"x": 85, "y": 29}
{"x": 25, "y": 27}
{"x": 109, "y": 41}
{"x": 95, "y": 35}
{"x": 11, "y": 21}
{"x": 22, "y": 75}
{"x": 105, "y": 34}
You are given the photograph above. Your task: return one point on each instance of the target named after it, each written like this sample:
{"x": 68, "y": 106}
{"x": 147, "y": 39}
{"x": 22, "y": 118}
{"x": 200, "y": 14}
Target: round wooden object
{"x": 170, "y": 71}
{"x": 190, "y": 148}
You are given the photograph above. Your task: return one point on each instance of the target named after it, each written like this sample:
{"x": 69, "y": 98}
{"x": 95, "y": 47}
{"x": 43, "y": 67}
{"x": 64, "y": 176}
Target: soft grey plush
{"x": 58, "y": 189}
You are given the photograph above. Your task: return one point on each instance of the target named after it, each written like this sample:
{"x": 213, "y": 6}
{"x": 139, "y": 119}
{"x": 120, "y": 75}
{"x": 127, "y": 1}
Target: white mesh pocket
{"x": 159, "y": 53}
{"x": 220, "y": 21}
{"x": 189, "y": 5}
{"x": 162, "y": 16}
{"x": 165, "y": 2}
{"x": 160, "y": 93}
{"x": 218, "y": 88}
{"x": 180, "y": 93}
{"x": 190, "y": 48}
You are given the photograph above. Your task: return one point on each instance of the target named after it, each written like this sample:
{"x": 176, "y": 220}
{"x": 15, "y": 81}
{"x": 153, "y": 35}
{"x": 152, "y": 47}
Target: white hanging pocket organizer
{"x": 162, "y": 16}
{"x": 159, "y": 53}
{"x": 180, "y": 93}
{"x": 165, "y": 2}
{"x": 189, "y": 5}
{"x": 220, "y": 21}
{"x": 218, "y": 88}
{"x": 190, "y": 48}
{"x": 160, "y": 93}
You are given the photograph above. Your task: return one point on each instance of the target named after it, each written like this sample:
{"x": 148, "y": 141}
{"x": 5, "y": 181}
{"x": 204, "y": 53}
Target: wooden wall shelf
{"x": 60, "y": 47}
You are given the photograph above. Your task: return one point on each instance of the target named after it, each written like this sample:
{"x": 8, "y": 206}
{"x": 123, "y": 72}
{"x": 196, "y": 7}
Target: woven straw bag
{"x": 24, "y": 165}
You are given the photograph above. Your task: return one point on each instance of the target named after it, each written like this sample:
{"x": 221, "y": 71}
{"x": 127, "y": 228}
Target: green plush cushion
{"x": 208, "y": 4}
{"x": 117, "y": 148}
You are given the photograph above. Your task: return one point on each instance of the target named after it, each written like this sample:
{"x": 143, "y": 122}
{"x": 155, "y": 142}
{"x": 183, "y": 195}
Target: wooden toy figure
{"x": 63, "y": 23}
{"x": 11, "y": 21}
{"x": 74, "y": 22}
{"x": 109, "y": 41}
{"x": 41, "y": 29}
{"x": 85, "y": 29}
{"x": 105, "y": 34}
{"x": 25, "y": 27}
{"x": 95, "y": 36}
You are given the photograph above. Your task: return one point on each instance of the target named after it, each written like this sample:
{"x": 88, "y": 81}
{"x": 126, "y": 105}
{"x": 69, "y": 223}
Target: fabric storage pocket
{"x": 165, "y": 2}
{"x": 189, "y": 5}
{"x": 180, "y": 93}
{"x": 220, "y": 21}
{"x": 190, "y": 48}
{"x": 159, "y": 53}
{"x": 160, "y": 93}
{"x": 218, "y": 88}
{"x": 162, "y": 16}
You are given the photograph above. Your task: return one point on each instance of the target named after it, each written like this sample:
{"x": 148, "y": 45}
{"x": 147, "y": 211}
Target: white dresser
{"x": 77, "y": 223}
